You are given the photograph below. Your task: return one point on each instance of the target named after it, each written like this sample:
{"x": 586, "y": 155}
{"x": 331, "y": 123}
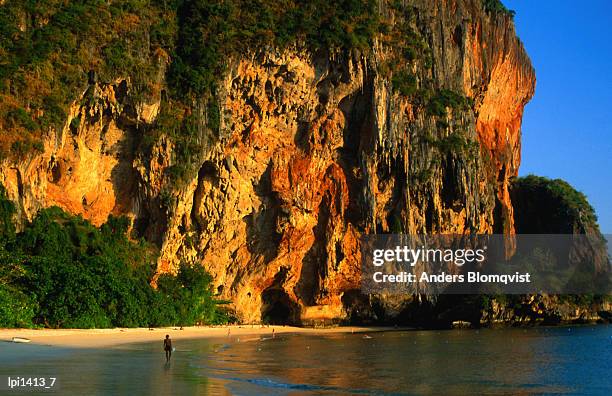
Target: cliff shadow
{"x": 313, "y": 262}
{"x": 358, "y": 137}
{"x": 263, "y": 238}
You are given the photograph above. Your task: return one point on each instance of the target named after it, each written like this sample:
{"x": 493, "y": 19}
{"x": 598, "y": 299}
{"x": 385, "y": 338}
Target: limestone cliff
{"x": 313, "y": 149}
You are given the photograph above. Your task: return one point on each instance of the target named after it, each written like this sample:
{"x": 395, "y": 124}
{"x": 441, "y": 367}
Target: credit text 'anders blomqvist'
{"x": 472, "y": 277}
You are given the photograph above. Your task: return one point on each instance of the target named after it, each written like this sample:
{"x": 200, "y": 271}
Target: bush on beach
{"x": 61, "y": 271}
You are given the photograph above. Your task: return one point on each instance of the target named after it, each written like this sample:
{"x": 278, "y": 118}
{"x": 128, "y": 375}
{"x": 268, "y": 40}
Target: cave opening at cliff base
{"x": 277, "y": 308}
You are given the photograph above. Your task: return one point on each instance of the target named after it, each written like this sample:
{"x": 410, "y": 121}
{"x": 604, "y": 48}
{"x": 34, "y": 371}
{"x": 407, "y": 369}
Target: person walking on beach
{"x": 168, "y": 347}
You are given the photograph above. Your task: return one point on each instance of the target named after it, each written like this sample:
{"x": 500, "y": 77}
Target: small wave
{"x": 269, "y": 383}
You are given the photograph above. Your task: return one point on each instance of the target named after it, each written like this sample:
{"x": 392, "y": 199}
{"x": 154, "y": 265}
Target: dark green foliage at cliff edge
{"x": 497, "y": 7}
{"x": 543, "y": 205}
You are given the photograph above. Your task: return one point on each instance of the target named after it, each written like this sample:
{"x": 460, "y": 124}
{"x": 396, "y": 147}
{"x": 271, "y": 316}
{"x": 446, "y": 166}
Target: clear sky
{"x": 567, "y": 130}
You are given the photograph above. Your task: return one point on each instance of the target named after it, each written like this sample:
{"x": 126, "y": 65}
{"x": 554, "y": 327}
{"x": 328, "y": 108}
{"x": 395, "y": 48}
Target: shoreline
{"x": 103, "y": 338}
{"x": 100, "y": 338}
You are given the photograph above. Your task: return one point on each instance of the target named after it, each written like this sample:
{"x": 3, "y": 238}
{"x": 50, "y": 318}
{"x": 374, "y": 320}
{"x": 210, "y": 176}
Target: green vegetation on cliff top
{"x": 48, "y": 47}
{"x": 211, "y": 31}
{"x": 50, "y": 50}
{"x": 545, "y": 205}
{"x": 497, "y": 7}
{"x": 61, "y": 271}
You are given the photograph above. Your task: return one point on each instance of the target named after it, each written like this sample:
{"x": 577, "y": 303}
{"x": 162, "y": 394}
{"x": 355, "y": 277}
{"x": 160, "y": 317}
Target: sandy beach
{"x": 98, "y": 338}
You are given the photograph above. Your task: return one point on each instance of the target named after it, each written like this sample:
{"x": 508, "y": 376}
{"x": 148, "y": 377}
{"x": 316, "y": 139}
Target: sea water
{"x": 561, "y": 360}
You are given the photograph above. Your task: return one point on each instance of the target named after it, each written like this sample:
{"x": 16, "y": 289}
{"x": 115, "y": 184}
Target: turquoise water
{"x": 564, "y": 360}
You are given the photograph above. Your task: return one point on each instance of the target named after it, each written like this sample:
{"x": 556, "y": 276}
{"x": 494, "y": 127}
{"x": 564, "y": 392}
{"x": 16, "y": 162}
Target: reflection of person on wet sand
{"x": 168, "y": 347}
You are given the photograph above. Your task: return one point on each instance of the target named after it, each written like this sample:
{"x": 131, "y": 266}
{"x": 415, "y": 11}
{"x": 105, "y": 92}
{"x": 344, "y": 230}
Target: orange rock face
{"x": 86, "y": 168}
{"x": 313, "y": 153}
{"x": 511, "y": 85}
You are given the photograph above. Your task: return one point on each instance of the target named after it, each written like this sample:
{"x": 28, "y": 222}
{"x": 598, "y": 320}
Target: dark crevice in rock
{"x": 262, "y": 235}
{"x": 278, "y": 309}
